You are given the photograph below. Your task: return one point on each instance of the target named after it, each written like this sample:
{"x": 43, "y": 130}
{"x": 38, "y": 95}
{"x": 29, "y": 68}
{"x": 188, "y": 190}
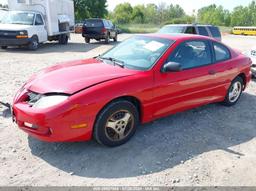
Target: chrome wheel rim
{"x": 235, "y": 91}
{"x": 119, "y": 125}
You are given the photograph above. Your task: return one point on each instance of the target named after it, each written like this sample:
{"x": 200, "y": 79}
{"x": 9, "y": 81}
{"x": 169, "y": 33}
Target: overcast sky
{"x": 187, "y": 5}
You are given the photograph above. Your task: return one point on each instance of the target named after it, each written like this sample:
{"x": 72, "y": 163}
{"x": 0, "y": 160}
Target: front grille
{"x": 8, "y": 34}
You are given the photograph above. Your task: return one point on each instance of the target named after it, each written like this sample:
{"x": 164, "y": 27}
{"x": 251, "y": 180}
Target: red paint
{"x": 94, "y": 84}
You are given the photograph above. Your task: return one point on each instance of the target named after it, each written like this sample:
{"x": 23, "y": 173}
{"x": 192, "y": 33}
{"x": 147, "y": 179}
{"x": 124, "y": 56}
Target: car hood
{"x": 14, "y": 27}
{"x": 75, "y": 76}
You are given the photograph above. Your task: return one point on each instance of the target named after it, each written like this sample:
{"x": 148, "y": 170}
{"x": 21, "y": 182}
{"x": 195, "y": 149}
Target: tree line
{"x": 125, "y": 13}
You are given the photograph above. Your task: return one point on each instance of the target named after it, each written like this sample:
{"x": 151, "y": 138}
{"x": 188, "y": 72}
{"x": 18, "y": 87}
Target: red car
{"x": 144, "y": 78}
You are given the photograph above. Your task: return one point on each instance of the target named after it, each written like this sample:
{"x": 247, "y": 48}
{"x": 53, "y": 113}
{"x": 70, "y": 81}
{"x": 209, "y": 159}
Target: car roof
{"x": 200, "y": 25}
{"x": 96, "y": 19}
{"x": 179, "y": 36}
{"x": 25, "y": 11}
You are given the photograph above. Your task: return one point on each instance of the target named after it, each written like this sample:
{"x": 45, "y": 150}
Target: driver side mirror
{"x": 172, "y": 67}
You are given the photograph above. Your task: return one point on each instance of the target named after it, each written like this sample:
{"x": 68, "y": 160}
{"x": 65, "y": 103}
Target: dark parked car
{"x": 99, "y": 29}
{"x": 204, "y": 30}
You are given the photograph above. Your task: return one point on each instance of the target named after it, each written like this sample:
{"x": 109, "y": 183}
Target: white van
{"x": 31, "y": 22}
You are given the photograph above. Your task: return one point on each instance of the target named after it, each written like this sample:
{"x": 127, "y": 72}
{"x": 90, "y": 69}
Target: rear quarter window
{"x": 215, "y": 32}
{"x": 222, "y": 53}
{"x": 93, "y": 23}
{"x": 203, "y": 31}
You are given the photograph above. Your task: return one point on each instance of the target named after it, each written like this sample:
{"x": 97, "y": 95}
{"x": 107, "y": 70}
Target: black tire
{"x": 34, "y": 44}
{"x": 115, "y": 38}
{"x": 107, "y": 38}
{"x": 228, "y": 101}
{"x": 63, "y": 39}
{"x": 4, "y": 47}
{"x": 87, "y": 40}
{"x": 102, "y": 133}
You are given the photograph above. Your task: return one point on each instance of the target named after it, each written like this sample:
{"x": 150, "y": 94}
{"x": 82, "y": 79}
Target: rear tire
{"x": 4, "y": 47}
{"x": 87, "y": 40}
{"x": 116, "y": 123}
{"x": 34, "y": 44}
{"x": 63, "y": 39}
{"x": 234, "y": 92}
{"x": 107, "y": 39}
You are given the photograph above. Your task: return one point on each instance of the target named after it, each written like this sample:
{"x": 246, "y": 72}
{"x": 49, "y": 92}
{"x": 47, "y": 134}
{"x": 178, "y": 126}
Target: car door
{"x": 193, "y": 86}
{"x": 40, "y": 28}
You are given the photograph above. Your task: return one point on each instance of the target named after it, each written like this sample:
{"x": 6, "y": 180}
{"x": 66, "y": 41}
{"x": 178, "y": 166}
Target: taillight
{"x": 103, "y": 30}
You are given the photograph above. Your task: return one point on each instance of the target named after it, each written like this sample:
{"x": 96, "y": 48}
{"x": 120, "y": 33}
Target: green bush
{"x": 139, "y": 28}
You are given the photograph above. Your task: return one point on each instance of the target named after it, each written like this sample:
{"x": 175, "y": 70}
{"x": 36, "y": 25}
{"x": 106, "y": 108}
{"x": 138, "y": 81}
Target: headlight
{"x": 49, "y": 101}
{"x": 23, "y": 32}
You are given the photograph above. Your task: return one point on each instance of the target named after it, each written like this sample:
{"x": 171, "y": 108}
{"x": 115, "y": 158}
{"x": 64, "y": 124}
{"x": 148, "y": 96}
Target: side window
{"x": 190, "y": 30}
{"x": 202, "y": 31}
{"x": 192, "y": 54}
{"x": 110, "y": 24}
{"x": 215, "y": 32}
{"x": 221, "y": 52}
{"x": 105, "y": 23}
{"x": 39, "y": 20}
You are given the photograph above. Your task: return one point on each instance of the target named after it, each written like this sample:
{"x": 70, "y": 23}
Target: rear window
{"x": 215, "y": 32}
{"x": 93, "y": 23}
{"x": 202, "y": 31}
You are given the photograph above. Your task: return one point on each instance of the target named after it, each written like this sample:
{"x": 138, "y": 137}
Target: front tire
{"x": 234, "y": 92}
{"x": 116, "y": 123}
{"x": 63, "y": 39}
{"x": 115, "y": 38}
{"x": 34, "y": 44}
{"x": 107, "y": 39}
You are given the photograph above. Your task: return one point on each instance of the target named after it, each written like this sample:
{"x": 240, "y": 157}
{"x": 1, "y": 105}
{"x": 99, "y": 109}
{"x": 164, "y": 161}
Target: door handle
{"x": 212, "y": 72}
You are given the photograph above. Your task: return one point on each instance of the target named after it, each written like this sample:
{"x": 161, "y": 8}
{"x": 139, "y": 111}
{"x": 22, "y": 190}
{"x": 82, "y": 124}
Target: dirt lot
{"x": 211, "y": 145}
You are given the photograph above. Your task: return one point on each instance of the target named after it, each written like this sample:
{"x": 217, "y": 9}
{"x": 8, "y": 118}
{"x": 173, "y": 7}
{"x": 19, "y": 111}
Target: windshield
{"x": 22, "y": 18}
{"x": 172, "y": 29}
{"x": 2, "y": 13}
{"x": 139, "y": 52}
{"x": 93, "y": 23}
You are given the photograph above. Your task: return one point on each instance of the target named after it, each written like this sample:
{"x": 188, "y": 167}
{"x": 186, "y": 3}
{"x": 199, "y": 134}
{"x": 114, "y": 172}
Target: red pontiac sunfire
{"x": 144, "y": 78}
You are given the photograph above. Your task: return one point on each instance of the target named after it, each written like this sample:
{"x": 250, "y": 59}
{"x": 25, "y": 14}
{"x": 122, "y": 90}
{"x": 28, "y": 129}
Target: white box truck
{"x": 31, "y": 22}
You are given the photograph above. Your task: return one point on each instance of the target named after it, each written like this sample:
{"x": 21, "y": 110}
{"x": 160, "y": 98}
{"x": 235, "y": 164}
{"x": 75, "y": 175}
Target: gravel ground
{"x": 210, "y": 145}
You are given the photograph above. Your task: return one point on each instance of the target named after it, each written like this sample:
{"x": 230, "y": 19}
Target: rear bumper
{"x": 94, "y": 36}
{"x": 14, "y": 42}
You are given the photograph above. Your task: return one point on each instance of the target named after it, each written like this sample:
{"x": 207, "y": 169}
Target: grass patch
{"x": 139, "y": 28}
{"x": 224, "y": 29}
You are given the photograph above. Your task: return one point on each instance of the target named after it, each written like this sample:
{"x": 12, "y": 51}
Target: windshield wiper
{"x": 116, "y": 62}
